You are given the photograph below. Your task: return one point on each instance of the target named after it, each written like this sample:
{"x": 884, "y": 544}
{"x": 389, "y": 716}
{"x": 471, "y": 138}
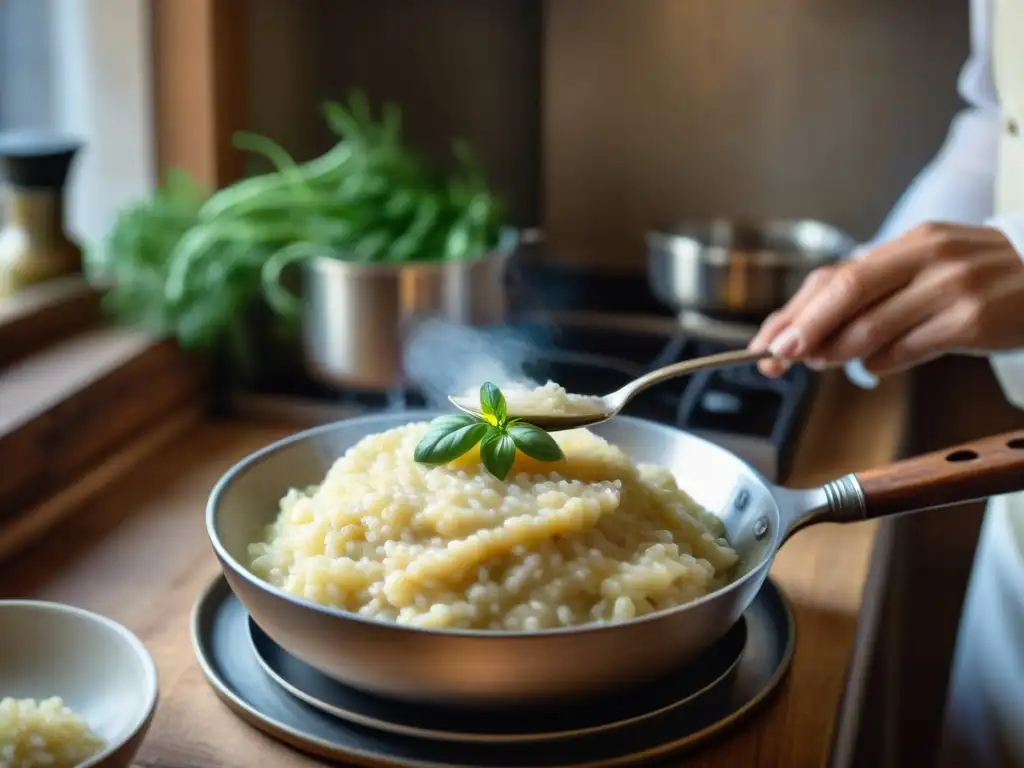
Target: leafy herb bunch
{"x": 206, "y": 269}
{"x": 452, "y": 436}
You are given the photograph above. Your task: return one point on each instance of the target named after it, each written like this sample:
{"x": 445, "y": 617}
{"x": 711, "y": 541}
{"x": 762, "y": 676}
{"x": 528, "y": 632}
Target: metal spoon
{"x": 610, "y": 405}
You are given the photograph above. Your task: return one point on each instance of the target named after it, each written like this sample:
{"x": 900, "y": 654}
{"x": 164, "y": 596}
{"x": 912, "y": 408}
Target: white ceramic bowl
{"x": 102, "y": 671}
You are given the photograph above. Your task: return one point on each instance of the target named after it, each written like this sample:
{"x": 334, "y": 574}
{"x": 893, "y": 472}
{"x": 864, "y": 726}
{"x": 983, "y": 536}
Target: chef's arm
{"x": 958, "y": 185}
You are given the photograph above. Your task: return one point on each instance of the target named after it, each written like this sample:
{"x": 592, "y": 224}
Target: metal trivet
{"x": 221, "y": 639}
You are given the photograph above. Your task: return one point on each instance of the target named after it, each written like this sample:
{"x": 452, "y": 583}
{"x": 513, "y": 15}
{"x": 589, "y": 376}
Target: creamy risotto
{"x": 593, "y": 538}
{"x": 549, "y": 399}
{"x": 44, "y": 733}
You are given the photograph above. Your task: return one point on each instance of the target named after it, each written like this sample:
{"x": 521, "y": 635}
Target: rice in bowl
{"x": 47, "y": 733}
{"x": 593, "y": 538}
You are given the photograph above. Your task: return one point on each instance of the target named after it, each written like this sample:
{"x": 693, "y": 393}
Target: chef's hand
{"x": 939, "y": 288}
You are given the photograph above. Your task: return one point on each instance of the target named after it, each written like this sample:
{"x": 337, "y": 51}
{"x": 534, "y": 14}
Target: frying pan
{"x": 481, "y": 667}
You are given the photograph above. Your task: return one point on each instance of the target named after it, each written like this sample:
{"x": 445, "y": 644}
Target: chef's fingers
{"x": 1001, "y": 326}
{"x": 880, "y": 325}
{"x": 777, "y": 322}
{"x": 772, "y": 368}
{"x": 769, "y": 329}
{"x": 987, "y": 320}
{"x": 772, "y": 326}
{"x": 979, "y": 302}
{"x": 939, "y": 334}
{"x": 851, "y": 290}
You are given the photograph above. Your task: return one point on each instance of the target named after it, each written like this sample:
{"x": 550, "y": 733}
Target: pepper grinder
{"x": 34, "y": 245}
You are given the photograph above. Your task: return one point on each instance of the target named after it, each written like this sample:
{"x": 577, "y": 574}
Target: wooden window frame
{"x": 200, "y": 93}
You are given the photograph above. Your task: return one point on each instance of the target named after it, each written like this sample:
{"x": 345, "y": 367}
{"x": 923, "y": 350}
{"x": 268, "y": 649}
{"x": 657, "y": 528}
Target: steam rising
{"x": 442, "y": 359}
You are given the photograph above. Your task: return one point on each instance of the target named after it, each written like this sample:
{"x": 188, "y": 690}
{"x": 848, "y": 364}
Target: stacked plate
{"x": 290, "y": 700}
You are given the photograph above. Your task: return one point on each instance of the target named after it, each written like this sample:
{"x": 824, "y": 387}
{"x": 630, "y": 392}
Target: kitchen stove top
{"x": 755, "y": 417}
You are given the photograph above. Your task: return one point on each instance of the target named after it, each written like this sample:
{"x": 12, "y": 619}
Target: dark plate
{"x": 220, "y": 637}
{"x": 519, "y": 724}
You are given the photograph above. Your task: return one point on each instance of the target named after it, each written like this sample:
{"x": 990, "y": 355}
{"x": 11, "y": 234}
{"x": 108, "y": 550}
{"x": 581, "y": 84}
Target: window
{"x": 25, "y": 91}
{"x": 83, "y": 67}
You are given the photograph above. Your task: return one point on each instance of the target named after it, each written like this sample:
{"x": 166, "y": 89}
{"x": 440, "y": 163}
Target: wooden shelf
{"x": 76, "y": 396}
{"x": 65, "y": 408}
{"x": 44, "y": 314}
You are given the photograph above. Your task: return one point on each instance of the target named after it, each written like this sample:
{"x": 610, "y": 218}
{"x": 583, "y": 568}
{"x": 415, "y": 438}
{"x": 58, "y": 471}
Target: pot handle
{"x": 991, "y": 466}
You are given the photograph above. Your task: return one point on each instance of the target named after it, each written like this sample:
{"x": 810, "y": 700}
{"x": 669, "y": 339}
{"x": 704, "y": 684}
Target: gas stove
{"x": 593, "y": 354}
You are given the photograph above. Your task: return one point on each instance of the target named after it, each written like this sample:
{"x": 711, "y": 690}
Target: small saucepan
{"x": 737, "y": 271}
{"x": 472, "y": 667}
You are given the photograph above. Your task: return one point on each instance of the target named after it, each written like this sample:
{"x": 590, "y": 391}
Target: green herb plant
{"x": 454, "y": 435}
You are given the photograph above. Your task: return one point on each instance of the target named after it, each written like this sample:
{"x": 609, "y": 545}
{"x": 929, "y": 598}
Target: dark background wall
{"x": 600, "y": 118}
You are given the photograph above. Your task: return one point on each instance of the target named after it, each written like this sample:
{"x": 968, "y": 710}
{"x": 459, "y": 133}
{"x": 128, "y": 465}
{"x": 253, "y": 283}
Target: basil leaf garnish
{"x": 492, "y": 403}
{"x": 535, "y": 442}
{"x": 497, "y": 452}
{"x": 450, "y": 437}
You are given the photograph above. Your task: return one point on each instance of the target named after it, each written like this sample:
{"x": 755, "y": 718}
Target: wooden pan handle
{"x": 991, "y": 466}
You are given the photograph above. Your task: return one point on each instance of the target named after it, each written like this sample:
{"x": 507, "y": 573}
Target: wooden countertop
{"x": 136, "y": 551}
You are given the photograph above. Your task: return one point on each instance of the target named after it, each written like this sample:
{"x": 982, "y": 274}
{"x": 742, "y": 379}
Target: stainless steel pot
{"x": 738, "y": 271}
{"x": 479, "y": 666}
{"x": 355, "y": 316}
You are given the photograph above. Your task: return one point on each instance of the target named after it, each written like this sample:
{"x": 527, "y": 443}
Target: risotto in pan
{"x": 590, "y": 538}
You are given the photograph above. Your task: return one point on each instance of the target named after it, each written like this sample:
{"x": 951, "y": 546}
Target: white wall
{"x": 101, "y": 68}
{"x": 83, "y": 67}
{"x": 24, "y": 63}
